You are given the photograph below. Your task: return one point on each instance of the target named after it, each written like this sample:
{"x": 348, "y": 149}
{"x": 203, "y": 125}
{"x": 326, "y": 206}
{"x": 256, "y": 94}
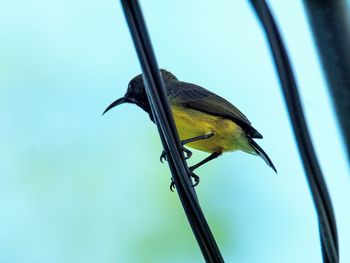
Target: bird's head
{"x": 136, "y": 93}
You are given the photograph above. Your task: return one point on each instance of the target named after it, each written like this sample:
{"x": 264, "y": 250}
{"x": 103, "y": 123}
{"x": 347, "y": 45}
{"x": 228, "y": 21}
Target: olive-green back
{"x": 195, "y": 97}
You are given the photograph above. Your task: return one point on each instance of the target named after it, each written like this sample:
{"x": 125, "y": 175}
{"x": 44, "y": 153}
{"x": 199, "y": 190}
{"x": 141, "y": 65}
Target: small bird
{"x": 204, "y": 120}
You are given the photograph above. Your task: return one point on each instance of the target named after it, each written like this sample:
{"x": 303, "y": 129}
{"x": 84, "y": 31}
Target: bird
{"x": 204, "y": 120}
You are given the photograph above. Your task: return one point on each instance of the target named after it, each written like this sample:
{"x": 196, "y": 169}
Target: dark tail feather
{"x": 262, "y": 154}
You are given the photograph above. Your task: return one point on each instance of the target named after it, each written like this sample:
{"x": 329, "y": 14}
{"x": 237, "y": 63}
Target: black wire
{"x": 323, "y": 204}
{"x": 329, "y": 22}
{"x": 161, "y": 110}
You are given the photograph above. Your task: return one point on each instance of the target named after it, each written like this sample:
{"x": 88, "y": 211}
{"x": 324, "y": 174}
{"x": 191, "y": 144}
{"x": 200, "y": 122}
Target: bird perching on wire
{"x": 204, "y": 120}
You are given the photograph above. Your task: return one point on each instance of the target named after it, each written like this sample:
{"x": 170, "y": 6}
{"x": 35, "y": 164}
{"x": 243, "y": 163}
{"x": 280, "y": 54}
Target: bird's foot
{"x": 187, "y": 152}
{"x": 193, "y": 177}
{"x": 172, "y": 185}
{"x": 163, "y": 156}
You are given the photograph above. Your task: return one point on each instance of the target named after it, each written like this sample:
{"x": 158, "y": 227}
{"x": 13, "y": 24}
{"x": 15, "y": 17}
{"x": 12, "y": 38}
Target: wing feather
{"x": 198, "y": 98}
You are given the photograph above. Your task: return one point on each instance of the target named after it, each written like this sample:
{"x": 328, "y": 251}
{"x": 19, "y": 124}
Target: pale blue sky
{"x": 78, "y": 187}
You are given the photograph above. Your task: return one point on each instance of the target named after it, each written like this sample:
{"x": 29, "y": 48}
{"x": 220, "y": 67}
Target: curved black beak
{"x": 116, "y": 103}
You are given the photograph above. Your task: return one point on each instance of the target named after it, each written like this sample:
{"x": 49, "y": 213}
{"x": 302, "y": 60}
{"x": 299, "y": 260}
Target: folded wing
{"x": 198, "y": 98}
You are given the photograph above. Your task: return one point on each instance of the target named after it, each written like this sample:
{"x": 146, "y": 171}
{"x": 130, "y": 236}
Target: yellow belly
{"x": 228, "y": 136}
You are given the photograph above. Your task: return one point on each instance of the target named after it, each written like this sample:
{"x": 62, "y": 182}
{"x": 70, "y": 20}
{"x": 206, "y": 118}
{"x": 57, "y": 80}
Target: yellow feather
{"x": 228, "y": 136}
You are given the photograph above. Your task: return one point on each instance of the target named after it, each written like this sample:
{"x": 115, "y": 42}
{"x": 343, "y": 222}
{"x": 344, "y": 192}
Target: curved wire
{"x": 319, "y": 192}
{"x": 330, "y": 23}
{"x": 161, "y": 111}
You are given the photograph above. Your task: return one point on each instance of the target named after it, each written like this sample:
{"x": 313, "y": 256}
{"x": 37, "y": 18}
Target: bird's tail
{"x": 262, "y": 154}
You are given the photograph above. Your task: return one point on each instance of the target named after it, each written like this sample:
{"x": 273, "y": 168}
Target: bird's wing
{"x": 198, "y": 98}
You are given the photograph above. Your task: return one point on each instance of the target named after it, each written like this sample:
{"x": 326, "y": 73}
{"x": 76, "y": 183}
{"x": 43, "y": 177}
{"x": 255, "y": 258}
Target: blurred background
{"x": 79, "y": 187}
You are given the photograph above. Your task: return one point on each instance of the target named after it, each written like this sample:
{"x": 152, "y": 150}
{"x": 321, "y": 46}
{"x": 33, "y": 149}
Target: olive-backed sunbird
{"x": 204, "y": 120}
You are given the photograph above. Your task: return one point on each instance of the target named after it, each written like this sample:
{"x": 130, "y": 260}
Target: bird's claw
{"x": 187, "y": 152}
{"x": 195, "y": 178}
{"x": 172, "y": 185}
{"x": 163, "y": 156}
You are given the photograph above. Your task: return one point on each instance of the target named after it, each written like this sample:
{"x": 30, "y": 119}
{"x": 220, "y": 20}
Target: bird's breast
{"x": 190, "y": 123}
